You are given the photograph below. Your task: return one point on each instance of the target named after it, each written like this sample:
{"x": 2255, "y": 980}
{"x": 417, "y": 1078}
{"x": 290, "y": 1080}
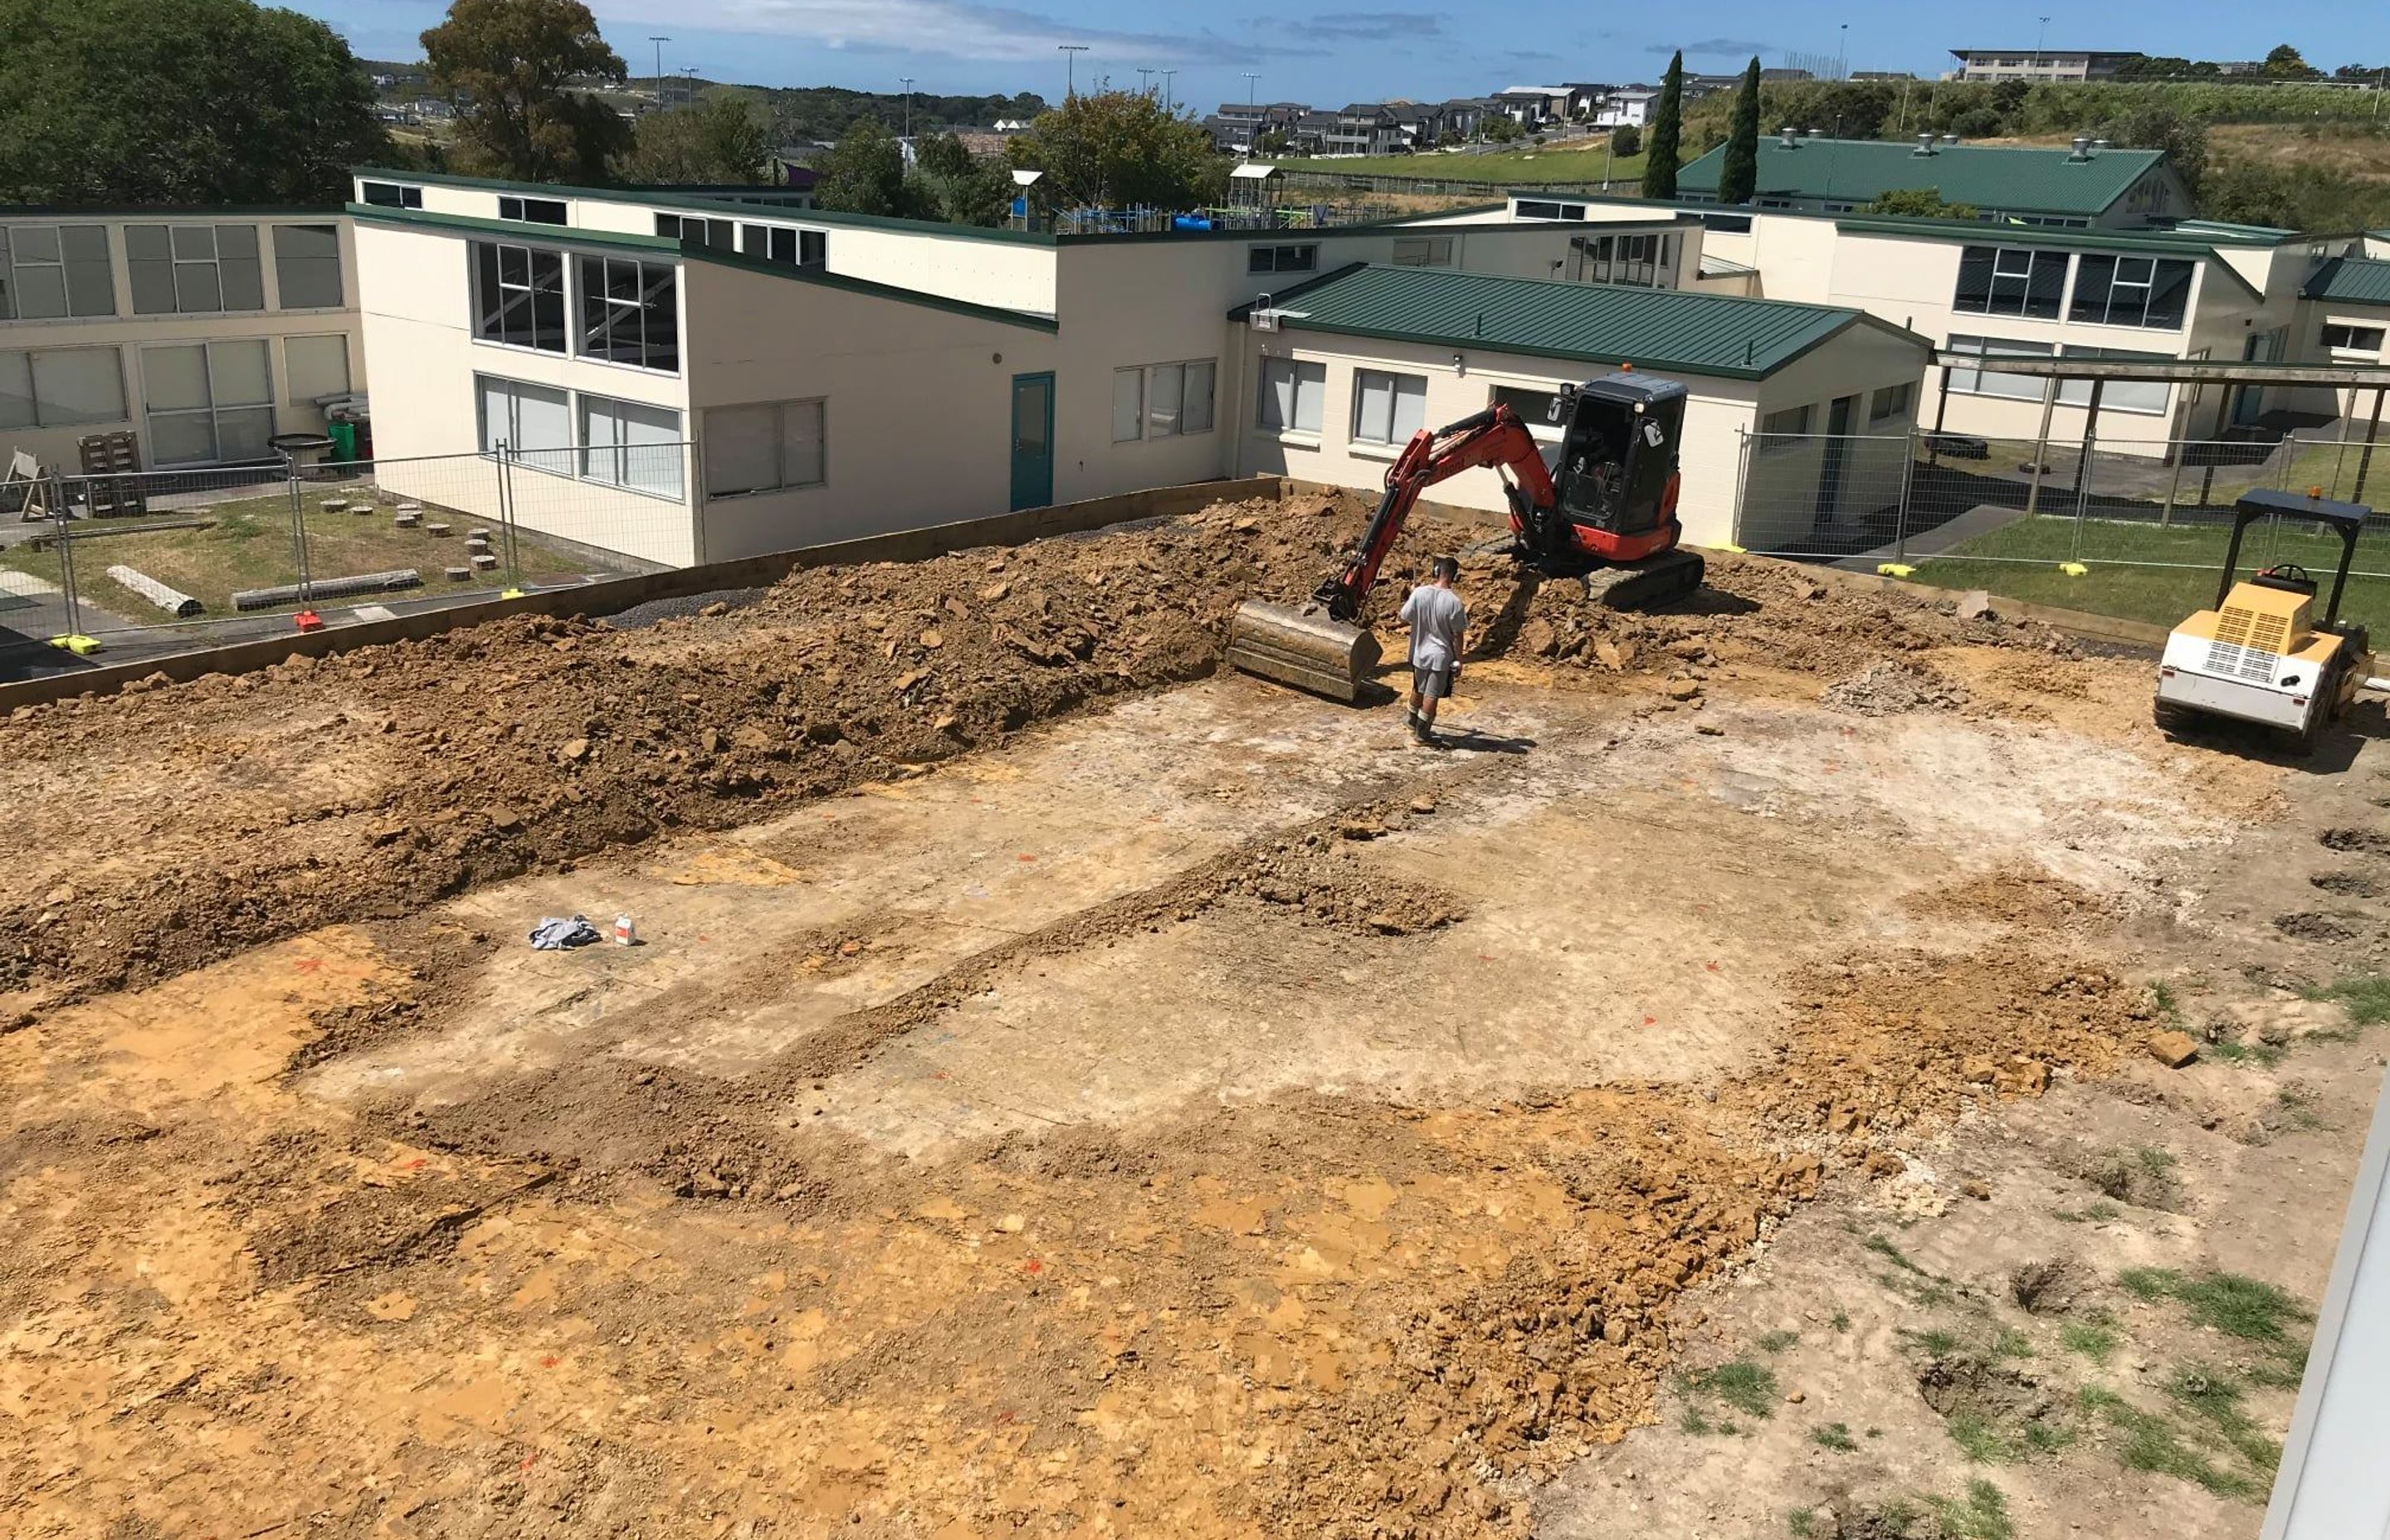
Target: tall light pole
{"x": 660, "y": 43}
{"x": 1144, "y": 81}
{"x": 1166, "y": 99}
{"x": 2039, "y": 62}
{"x": 1843, "y": 54}
{"x": 908, "y": 82}
{"x": 1252, "y": 77}
{"x": 1070, "y": 51}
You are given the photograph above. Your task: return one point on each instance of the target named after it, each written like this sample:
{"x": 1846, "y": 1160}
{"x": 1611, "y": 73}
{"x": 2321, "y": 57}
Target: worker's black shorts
{"x": 1431, "y": 684}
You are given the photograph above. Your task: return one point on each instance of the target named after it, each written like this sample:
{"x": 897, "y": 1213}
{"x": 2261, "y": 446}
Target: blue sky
{"x": 1306, "y": 52}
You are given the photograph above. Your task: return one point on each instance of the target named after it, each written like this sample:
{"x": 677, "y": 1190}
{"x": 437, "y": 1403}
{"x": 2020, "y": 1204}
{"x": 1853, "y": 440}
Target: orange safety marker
{"x": 309, "y": 620}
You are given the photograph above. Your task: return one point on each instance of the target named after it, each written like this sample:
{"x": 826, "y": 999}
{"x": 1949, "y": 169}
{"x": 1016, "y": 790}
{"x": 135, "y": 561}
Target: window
{"x": 1388, "y": 408}
{"x": 519, "y": 296}
{"x": 2008, "y": 280}
{"x": 534, "y": 211}
{"x": 1893, "y": 401}
{"x": 788, "y": 247}
{"x": 1423, "y": 251}
{"x": 767, "y": 448}
{"x": 61, "y": 387}
{"x": 393, "y": 195}
{"x": 721, "y": 233}
{"x": 531, "y": 424}
{"x": 2346, "y": 338}
{"x": 193, "y": 269}
{"x": 1983, "y": 382}
{"x": 1532, "y": 209}
{"x": 1538, "y": 409}
{"x": 1626, "y": 259}
{"x": 630, "y": 312}
{"x": 208, "y": 402}
{"x": 1162, "y": 401}
{"x": 307, "y": 267}
{"x": 631, "y": 445}
{"x": 2149, "y": 397}
{"x": 2131, "y": 292}
{"x": 313, "y": 367}
{"x": 49, "y": 271}
{"x": 1784, "y": 426}
{"x": 1281, "y": 259}
{"x": 1291, "y": 393}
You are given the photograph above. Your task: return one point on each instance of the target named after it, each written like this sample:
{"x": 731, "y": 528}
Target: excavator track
{"x": 1648, "y": 583}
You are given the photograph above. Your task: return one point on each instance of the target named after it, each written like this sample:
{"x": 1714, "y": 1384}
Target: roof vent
{"x": 1790, "y": 139}
{"x": 1924, "y": 144}
{"x": 1809, "y": 133}
{"x": 1949, "y": 138}
{"x": 2082, "y": 148}
{"x": 2100, "y": 144}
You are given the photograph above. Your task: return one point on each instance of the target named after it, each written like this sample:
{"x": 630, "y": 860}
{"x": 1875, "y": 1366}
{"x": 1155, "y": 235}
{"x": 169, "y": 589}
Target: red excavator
{"x": 1609, "y": 517}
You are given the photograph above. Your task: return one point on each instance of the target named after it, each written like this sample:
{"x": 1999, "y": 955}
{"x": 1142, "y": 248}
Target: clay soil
{"x": 1057, "y": 1090}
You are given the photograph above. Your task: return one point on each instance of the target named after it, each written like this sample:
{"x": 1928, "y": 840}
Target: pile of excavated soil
{"x": 172, "y": 824}
{"x": 1891, "y": 686}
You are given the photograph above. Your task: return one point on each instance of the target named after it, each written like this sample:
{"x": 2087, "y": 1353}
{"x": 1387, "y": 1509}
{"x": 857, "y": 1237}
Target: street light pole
{"x": 1843, "y": 54}
{"x": 660, "y": 43}
{"x": 2039, "y": 38}
{"x": 1252, "y": 78}
{"x": 1167, "y": 100}
{"x": 908, "y": 82}
{"x": 1070, "y": 51}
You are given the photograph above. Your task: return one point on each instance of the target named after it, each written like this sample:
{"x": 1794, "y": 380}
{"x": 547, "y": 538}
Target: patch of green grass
{"x": 1934, "y": 1342}
{"x": 2098, "y": 1211}
{"x": 1747, "y": 1387}
{"x": 2366, "y": 997}
{"x": 1523, "y": 166}
{"x": 2242, "y": 1307}
{"x": 1802, "y": 1523}
{"x": 1835, "y": 1436}
{"x": 2044, "y": 1437}
{"x": 1842, "y": 1322}
{"x": 2163, "y": 994}
{"x": 2234, "y": 1052}
{"x": 2150, "y": 1283}
{"x": 2157, "y": 1164}
{"x": 1777, "y": 1342}
{"x": 1694, "y": 1422}
{"x": 2213, "y": 1443}
{"x": 2090, "y": 1339}
{"x": 1893, "y": 1254}
{"x": 2297, "y": 1107}
{"x": 1984, "y": 1515}
{"x": 1978, "y": 1437}
{"x": 2008, "y": 1342}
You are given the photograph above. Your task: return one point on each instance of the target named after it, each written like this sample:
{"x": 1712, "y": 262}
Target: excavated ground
{"x": 1207, "y": 1112}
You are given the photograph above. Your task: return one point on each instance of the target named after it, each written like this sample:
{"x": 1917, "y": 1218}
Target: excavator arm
{"x": 1495, "y": 437}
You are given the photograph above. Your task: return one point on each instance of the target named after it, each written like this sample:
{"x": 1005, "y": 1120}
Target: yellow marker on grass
{"x": 81, "y": 647}
{"x": 2073, "y": 569}
{"x": 1893, "y": 568}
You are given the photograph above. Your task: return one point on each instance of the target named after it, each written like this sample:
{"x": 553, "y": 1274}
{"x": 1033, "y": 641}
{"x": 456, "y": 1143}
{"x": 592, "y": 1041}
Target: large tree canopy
{"x": 1118, "y": 149}
{"x": 514, "y": 65}
{"x": 177, "y": 101}
{"x": 723, "y": 137}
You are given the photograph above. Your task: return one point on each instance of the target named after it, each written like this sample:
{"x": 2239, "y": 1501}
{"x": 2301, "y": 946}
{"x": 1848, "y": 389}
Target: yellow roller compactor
{"x": 2261, "y": 655}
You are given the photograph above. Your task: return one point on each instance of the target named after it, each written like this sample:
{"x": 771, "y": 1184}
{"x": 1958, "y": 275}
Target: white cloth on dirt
{"x": 554, "y": 935}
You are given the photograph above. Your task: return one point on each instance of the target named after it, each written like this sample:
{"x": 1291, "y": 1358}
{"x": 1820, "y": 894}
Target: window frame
{"x": 2028, "y": 387}
{"x": 1903, "y": 398}
{"x": 2350, "y": 331}
{"x": 340, "y": 277}
{"x": 290, "y": 375}
{"x": 2165, "y": 279}
{"x": 396, "y": 195}
{"x": 535, "y": 211}
{"x": 1427, "y": 256}
{"x": 1992, "y": 264}
{"x": 1147, "y": 399}
{"x": 67, "y": 266}
{"x": 488, "y": 315}
{"x": 570, "y": 461}
{"x": 34, "y": 416}
{"x": 779, "y": 410}
{"x": 1777, "y": 439}
{"x": 176, "y": 265}
{"x": 647, "y": 300}
{"x": 1296, "y": 369}
{"x": 1296, "y": 257}
{"x": 586, "y": 454}
{"x": 1396, "y": 386}
{"x": 216, "y": 408}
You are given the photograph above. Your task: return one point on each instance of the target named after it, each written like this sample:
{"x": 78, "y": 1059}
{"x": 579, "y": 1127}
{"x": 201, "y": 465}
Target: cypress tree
{"x": 1739, "y": 174}
{"x": 1667, "y": 133}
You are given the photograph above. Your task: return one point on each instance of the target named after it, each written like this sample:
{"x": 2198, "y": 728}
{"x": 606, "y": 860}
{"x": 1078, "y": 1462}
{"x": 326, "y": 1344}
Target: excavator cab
{"x": 1617, "y": 473}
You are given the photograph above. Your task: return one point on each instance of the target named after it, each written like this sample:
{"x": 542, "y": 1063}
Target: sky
{"x": 1304, "y": 52}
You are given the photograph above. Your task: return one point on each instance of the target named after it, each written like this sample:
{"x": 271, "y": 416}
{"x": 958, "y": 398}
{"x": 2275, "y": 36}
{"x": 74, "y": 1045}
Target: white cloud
{"x": 953, "y": 29}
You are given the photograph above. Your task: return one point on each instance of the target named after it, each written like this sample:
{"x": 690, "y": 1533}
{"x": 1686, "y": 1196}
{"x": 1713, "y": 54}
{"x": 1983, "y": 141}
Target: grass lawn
{"x": 248, "y": 546}
{"x": 1580, "y": 166}
{"x": 2163, "y": 595}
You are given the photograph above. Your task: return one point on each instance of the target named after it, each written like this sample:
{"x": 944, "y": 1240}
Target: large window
{"x": 767, "y": 448}
{"x": 2346, "y": 338}
{"x": 392, "y": 195}
{"x": 208, "y": 402}
{"x": 1985, "y": 382}
{"x": 193, "y": 269}
{"x": 630, "y": 312}
{"x": 1530, "y": 209}
{"x": 2009, "y": 280}
{"x": 534, "y": 211}
{"x": 313, "y": 367}
{"x": 630, "y": 445}
{"x": 307, "y": 267}
{"x": 1892, "y": 402}
{"x": 2131, "y": 292}
{"x": 1281, "y": 259}
{"x": 61, "y": 387}
{"x": 721, "y": 233}
{"x": 1162, "y": 401}
{"x": 519, "y": 296}
{"x": 533, "y": 424}
{"x": 1423, "y": 251}
{"x": 790, "y": 248}
{"x": 1292, "y": 394}
{"x": 1634, "y": 258}
{"x": 2148, "y": 397}
{"x": 1388, "y": 408}
{"x": 1778, "y": 429}
{"x": 50, "y": 271}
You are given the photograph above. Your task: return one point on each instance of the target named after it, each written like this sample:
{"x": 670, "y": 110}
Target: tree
{"x": 2284, "y": 63}
{"x": 722, "y": 137}
{"x": 512, "y": 66}
{"x": 1116, "y": 149}
{"x": 2183, "y": 139}
{"x": 1739, "y": 173}
{"x": 952, "y": 185}
{"x": 865, "y": 173}
{"x": 178, "y": 101}
{"x": 1626, "y": 139}
{"x": 1501, "y": 128}
{"x": 1921, "y": 203}
{"x": 1666, "y": 138}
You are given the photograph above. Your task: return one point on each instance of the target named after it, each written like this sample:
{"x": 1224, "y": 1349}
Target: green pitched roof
{"x": 1989, "y": 176}
{"x": 1665, "y": 329}
{"x": 2351, "y": 280}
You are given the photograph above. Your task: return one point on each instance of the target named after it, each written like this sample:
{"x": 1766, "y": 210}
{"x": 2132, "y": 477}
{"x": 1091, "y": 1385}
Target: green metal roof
{"x": 2351, "y": 280}
{"x": 566, "y": 235}
{"x": 1989, "y": 176}
{"x": 1666, "y": 330}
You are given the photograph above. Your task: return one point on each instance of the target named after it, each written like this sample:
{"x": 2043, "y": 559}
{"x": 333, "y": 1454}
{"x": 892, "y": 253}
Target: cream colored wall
{"x": 417, "y": 321}
{"x": 57, "y": 447}
{"x": 1708, "y": 457}
{"x": 917, "y": 406}
{"x": 1780, "y": 496}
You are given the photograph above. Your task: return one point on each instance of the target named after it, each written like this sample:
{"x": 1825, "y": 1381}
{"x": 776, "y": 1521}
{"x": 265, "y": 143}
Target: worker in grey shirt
{"x": 1438, "y": 619}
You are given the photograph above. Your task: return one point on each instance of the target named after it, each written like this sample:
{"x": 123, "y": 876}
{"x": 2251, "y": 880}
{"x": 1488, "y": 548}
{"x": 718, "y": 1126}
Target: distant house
{"x": 2076, "y": 65}
{"x": 1238, "y": 127}
{"x": 1363, "y": 128}
{"x": 1629, "y": 107}
{"x": 2085, "y": 187}
{"x": 1420, "y": 123}
{"x": 1463, "y": 116}
{"x": 1312, "y": 131}
{"x": 1532, "y": 106}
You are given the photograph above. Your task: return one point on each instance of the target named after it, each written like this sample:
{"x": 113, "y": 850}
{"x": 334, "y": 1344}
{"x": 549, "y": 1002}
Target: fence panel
{"x": 1824, "y": 495}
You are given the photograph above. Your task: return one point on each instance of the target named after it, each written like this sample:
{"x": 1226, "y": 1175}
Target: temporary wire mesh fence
{"x": 2120, "y": 529}
{"x": 184, "y": 558}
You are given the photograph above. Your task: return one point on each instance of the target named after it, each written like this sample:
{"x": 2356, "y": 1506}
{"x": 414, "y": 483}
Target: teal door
{"x": 1032, "y": 439}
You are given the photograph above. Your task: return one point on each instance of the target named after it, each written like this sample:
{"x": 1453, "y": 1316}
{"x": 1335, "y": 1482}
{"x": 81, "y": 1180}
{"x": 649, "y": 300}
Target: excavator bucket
{"x": 1301, "y": 646}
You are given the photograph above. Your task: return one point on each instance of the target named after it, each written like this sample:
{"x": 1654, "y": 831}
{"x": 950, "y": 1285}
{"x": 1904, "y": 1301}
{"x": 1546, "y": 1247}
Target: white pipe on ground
{"x": 174, "y": 601}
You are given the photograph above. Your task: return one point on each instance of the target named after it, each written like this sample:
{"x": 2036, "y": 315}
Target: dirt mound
{"x": 2011, "y": 895}
{"x": 1891, "y": 686}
